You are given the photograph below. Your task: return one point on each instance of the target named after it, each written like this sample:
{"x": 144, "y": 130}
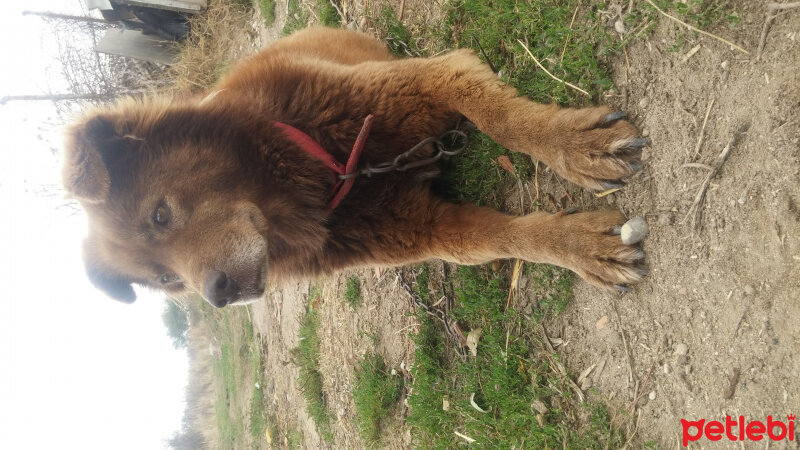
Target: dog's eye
{"x": 161, "y": 215}
{"x": 169, "y": 278}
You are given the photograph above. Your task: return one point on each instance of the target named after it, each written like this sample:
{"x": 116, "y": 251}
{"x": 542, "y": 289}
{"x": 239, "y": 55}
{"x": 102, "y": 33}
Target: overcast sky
{"x": 78, "y": 370}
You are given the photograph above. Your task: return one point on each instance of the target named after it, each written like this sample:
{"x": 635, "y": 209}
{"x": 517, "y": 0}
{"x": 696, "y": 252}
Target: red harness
{"x": 342, "y": 186}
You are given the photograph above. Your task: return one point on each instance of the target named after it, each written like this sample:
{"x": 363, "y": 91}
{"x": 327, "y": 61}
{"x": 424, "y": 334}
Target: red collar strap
{"x": 307, "y": 143}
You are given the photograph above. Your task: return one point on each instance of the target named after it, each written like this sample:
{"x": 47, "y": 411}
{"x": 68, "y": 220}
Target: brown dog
{"x": 220, "y": 194}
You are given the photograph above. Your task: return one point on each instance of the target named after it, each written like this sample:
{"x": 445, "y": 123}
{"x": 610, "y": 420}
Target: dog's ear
{"x": 84, "y": 172}
{"x": 114, "y": 285}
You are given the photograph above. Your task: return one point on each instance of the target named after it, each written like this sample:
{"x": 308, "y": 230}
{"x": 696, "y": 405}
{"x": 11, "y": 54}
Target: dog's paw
{"x": 595, "y": 147}
{"x": 593, "y": 248}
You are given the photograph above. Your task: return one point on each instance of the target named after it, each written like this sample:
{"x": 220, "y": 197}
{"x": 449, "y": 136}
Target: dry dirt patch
{"x": 724, "y": 298}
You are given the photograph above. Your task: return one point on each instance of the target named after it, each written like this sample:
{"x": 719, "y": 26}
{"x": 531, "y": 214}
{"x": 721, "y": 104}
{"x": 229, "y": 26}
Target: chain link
{"x": 403, "y": 161}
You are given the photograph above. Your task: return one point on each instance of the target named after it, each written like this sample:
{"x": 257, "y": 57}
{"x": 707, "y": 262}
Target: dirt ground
{"x": 728, "y": 292}
{"x": 719, "y": 300}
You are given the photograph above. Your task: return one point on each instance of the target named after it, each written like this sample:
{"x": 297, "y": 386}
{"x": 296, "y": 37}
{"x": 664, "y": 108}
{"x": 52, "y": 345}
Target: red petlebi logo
{"x": 738, "y": 430}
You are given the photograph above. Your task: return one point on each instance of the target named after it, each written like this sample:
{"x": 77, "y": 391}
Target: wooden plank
{"x": 134, "y": 44}
{"x": 187, "y": 6}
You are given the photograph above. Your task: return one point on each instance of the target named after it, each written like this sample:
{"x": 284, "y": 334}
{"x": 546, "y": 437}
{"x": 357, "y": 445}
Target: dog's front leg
{"x": 593, "y": 147}
{"x": 587, "y": 243}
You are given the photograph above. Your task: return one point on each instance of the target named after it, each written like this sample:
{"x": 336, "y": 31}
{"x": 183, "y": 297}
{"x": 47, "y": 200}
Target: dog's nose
{"x": 219, "y": 290}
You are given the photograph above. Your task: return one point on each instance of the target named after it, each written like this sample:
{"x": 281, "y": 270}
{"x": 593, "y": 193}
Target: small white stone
{"x": 634, "y": 231}
{"x": 681, "y": 349}
{"x": 652, "y": 395}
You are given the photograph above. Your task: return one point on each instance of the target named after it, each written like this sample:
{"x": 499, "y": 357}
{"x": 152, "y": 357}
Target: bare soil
{"x": 727, "y": 292}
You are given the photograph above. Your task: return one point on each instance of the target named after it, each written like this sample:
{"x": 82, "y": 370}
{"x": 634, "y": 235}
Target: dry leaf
{"x": 506, "y": 164}
{"x": 539, "y": 405}
{"x": 601, "y": 323}
{"x": 378, "y": 273}
{"x": 445, "y": 404}
{"x": 472, "y": 340}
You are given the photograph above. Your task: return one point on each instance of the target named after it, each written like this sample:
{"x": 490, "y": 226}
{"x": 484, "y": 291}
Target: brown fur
{"x": 245, "y": 200}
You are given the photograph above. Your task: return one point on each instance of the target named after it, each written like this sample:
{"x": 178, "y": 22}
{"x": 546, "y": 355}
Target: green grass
{"x": 422, "y": 289}
{"x": 553, "y": 288}
{"x": 296, "y": 19}
{"x": 352, "y": 291}
{"x": 310, "y": 379}
{"x": 375, "y": 392}
{"x": 258, "y": 413}
{"x": 328, "y": 15}
{"x": 227, "y": 368}
{"x": 700, "y": 13}
{"x": 267, "y": 8}
{"x": 509, "y": 373}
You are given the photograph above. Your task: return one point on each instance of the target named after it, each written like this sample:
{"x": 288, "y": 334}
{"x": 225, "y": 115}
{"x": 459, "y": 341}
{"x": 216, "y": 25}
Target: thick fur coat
{"x": 209, "y": 195}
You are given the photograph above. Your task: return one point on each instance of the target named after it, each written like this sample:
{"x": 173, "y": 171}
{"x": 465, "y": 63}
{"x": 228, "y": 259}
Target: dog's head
{"x": 168, "y": 206}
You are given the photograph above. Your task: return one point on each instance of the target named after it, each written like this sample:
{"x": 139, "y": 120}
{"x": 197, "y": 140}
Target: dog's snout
{"x": 219, "y": 289}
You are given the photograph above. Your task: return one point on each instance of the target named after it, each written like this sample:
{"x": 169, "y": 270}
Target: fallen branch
{"x": 697, "y": 205}
{"x": 697, "y": 29}
{"x": 548, "y": 72}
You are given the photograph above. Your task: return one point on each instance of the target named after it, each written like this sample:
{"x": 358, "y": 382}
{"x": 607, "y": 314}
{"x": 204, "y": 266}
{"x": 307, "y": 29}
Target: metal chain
{"x": 403, "y": 161}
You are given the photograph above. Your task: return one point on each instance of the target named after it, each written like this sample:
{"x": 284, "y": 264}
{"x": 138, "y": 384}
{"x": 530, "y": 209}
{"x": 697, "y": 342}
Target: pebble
{"x": 652, "y": 395}
{"x": 749, "y": 290}
{"x": 666, "y": 369}
{"x": 644, "y": 102}
{"x": 688, "y": 369}
{"x": 634, "y": 231}
{"x": 645, "y": 132}
{"x": 725, "y": 65}
{"x": 682, "y": 360}
{"x": 681, "y": 349}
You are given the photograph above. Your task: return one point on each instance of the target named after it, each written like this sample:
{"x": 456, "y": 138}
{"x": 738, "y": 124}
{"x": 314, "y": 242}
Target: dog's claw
{"x": 642, "y": 271}
{"x": 623, "y": 287}
{"x": 617, "y": 230}
{"x": 571, "y": 210}
{"x": 612, "y": 185}
{"x": 638, "y": 143}
{"x": 636, "y": 166}
{"x": 613, "y": 117}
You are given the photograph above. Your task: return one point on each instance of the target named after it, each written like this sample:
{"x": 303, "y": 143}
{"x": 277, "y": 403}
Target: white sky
{"x": 77, "y": 370}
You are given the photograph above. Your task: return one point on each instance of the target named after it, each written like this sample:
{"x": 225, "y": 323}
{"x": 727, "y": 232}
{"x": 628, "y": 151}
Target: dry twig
{"x": 772, "y": 9}
{"x": 559, "y": 366}
{"x": 566, "y": 41}
{"x": 631, "y": 376}
{"x": 548, "y": 72}
{"x": 703, "y": 129}
{"x": 697, "y": 29}
{"x": 696, "y": 210}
